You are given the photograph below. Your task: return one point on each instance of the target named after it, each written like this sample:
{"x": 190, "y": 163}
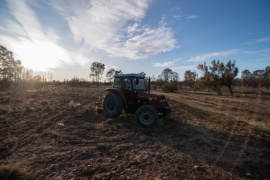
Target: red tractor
{"x": 129, "y": 92}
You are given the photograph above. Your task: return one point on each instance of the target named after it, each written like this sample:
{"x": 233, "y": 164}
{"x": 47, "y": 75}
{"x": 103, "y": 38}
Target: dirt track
{"x": 54, "y": 132}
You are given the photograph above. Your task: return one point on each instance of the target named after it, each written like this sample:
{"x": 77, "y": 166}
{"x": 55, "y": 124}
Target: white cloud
{"x": 133, "y": 28}
{"x": 26, "y": 17}
{"x": 164, "y": 64}
{"x": 150, "y": 42}
{"x": 2, "y": 28}
{"x": 97, "y": 28}
{"x": 34, "y": 45}
{"x": 260, "y": 40}
{"x": 262, "y": 52}
{"x": 97, "y": 20}
{"x": 265, "y": 39}
{"x": 13, "y": 28}
{"x": 115, "y": 29}
{"x": 192, "y": 17}
{"x": 177, "y": 17}
{"x": 213, "y": 55}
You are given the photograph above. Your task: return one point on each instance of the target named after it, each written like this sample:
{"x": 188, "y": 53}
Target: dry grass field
{"x": 54, "y": 133}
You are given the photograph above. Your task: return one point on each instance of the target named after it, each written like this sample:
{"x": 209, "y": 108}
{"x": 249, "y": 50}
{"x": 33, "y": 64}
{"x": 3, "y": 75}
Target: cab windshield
{"x": 139, "y": 84}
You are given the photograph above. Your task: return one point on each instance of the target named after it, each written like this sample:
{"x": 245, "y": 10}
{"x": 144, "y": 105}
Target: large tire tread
{"x": 147, "y": 116}
{"x": 112, "y": 105}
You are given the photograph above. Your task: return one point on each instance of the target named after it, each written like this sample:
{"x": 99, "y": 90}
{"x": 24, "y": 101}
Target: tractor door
{"x": 129, "y": 91}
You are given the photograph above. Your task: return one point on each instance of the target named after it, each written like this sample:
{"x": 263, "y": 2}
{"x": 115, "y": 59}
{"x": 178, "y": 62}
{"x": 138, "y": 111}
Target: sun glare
{"x": 40, "y": 55}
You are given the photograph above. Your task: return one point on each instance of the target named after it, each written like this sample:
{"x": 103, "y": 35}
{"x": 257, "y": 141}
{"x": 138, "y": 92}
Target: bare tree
{"x": 118, "y": 72}
{"x": 143, "y": 73}
{"x": 97, "y": 69}
{"x": 111, "y": 73}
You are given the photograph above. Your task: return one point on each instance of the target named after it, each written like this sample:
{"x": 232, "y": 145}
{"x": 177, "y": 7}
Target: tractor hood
{"x": 146, "y": 95}
{"x": 156, "y": 100}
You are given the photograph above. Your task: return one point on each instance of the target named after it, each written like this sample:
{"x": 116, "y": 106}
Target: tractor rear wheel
{"x": 146, "y": 116}
{"x": 112, "y": 104}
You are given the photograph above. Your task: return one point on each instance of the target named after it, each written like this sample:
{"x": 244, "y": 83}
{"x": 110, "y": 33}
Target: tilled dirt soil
{"x": 54, "y": 133}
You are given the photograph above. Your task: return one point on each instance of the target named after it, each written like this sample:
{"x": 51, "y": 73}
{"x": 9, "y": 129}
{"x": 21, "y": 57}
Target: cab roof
{"x": 129, "y": 75}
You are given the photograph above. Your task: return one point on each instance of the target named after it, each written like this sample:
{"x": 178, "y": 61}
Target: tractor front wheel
{"x": 112, "y": 104}
{"x": 146, "y": 116}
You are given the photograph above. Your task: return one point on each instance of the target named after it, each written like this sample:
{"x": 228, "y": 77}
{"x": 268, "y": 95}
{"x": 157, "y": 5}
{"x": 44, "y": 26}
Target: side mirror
{"x": 137, "y": 81}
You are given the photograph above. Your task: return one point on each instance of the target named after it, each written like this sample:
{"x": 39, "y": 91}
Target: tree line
{"x": 256, "y": 79}
{"x": 218, "y": 75}
{"x": 214, "y": 76}
{"x": 10, "y": 69}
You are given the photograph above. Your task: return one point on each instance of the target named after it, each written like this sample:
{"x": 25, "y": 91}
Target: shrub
{"x": 169, "y": 87}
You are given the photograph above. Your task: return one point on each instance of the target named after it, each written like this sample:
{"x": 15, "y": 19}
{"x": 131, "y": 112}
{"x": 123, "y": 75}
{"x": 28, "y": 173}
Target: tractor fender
{"x": 119, "y": 92}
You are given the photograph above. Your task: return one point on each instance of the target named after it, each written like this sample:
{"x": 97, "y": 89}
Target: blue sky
{"x": 65, "y": 36}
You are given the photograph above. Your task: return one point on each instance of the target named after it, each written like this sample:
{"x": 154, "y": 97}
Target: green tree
{"x": 10, "y": 69}
{"x": 257, "y": 77}
{"x": 246, "y": 77}
{"x": 229, "y": 74}
{"x": 218, "y": 74}
{"x": 190, "y": 78}
{"x": 169, "y": 87}
{"x": 174, "y": 77}
{"x": 97, "y": 70}
{"x": 266, "y": 77}
{"x": 212, "y": 75}
{"x": 166, "y": 74}
{"x": 168, "y": 80}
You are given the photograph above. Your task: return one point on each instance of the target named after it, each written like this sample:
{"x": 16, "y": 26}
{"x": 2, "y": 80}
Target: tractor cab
{"x": 128, "y": 86}
{"x": 130, "y": 82}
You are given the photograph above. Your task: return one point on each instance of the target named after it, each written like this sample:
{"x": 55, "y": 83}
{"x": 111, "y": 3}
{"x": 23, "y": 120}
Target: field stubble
{"x": 54, "y": 132}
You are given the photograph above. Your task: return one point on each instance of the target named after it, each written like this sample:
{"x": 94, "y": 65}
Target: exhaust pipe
{"x": 149, "y": 83}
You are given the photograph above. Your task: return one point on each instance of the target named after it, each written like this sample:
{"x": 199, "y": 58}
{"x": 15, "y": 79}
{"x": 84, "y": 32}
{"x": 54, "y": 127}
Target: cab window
{"x": 139, "y": 84}
{"x": 117, "y": 83}
{"x": 126, "y": 83}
